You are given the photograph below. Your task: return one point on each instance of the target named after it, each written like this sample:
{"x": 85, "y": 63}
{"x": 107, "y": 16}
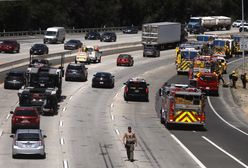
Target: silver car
{"x": 28, "y": 142}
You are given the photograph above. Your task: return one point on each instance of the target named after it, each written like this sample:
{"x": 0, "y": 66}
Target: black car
{"x": 39, "y": 49}
{"x": 73, "y": 45}
{"x": 108, "y": 37}
{"x": 136, "y": 89}
{"x": 103, "y": 79}
{"x": 76, "y": 71}
{"x": 130, "y": 30}
{"x": 14, "y": 79}
{"x": 92, "y": 36}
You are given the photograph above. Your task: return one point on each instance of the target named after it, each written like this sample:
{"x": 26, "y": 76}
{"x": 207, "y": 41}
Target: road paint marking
{"x": 117, "y": 131}
{"x": 116, "y": 95}
{"x": 70, "y": 98}
{"x": 112, "y": 105}
{"x": 210, "y": 104}
{"x": 64, "y": 108}
{"x": 62, "y": 141}
{"x": 61, "y": 123}
{"x": 65, "y": 164}
{"x": 228, "y": 154}
{"x": 1, "y": 132}
{"x": 112, "y": 117}
{"x": 188, "y": 151}
{"x": 8, "y": 116}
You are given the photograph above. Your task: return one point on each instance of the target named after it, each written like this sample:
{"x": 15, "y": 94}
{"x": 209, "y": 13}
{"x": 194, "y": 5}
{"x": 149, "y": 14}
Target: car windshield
{"x": 102, "y": 75}
{"x": 16, "y": 74}
{"x": 51, "y": 33}
{"x": 25, "y": 113}
{"x": 74, "y": 67}
{"x": 90, "y": 49}
{"x": 123, "y": 56}
{"x": 7, "y": 42}
{"x": 38, "y": 45}
{"x": 219, "y": 43}
{"x": 189, "y": 54}
{"x": 107, "y": 34}
{"x": 187, "y": 99}
{"x": 208, "y": 78}
{"x": 28, "y": 137}
{"x": 73, "y": 41}
{"x": 137, "y": 84}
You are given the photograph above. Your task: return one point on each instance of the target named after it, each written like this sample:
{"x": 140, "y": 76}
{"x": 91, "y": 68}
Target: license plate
{"x": 207, "y": 88}
{"x": 136, "y": 91}
{"x": 25, "y": 122}
{"x": 42, "y": 84}
{"x": 101, "y": 82}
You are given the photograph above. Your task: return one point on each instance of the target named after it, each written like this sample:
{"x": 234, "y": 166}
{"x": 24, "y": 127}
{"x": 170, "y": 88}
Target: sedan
{"x": 25, "y": 117}
{"x": 108, "y": 37}
{"x": 39, "y": 49}
{"x": 125, "y": 59}
{"x": 103, "y": 79}
{"x": 9, "y": 46}
{"x": 28, "y": 142}
{"x": 92, "y": 36}
{"x": 14, "y": 79}
{"x": 130, "y": 30}
{"x": 73, "y": 45}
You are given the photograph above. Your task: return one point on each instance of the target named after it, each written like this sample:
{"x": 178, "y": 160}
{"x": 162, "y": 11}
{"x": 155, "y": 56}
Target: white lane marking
{"x": 117, "y": 131}
{"x": 116, "y": 95}
{"x": 112, "y": 117}
{"x": 64, "y": 108}
{"x": 112, "y": 105}
{"x": 62, "y": 141}
{"x": 188, "y": 151}
{"x": 65, "y": 164}
{"x": 61, "y": 123}
{"x": 8, "y": 116}
{"x": 210, "y": 104}
{"x": 70, "y": 98}
{"x": 222, "y": 150}
{"x": 1, "y": 132}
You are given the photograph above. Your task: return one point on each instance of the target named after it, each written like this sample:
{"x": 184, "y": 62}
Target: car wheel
{"x": 13, "y": 129}
{"x": 162, "y": 121}
{"x": 14, "y": 156}
{"x": 125, "y": 98}
{"x": 66, "y": 79}
{"x": 5, "y": 86}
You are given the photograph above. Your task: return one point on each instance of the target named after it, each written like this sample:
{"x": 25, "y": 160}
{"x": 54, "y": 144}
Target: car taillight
{"x": 147, "y": 90}
{"x": 126, "y": 89}
{"x": 37, "y": 120}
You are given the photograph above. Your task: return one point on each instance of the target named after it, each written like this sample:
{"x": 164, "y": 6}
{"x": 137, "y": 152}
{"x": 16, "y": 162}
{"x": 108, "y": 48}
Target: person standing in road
{"x": 244, "y": 80}
{"x": 129, "y": 140}
{"x": 234, "y": 77}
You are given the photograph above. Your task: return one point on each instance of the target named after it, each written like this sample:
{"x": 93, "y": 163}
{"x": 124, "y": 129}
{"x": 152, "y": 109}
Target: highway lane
{"x": 25, "y": 45}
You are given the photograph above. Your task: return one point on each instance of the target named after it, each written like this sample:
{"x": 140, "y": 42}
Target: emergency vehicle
{"x": 182, "y": 105}
{"x": 94, "y": 54}
{"x": 223, "y": 47}
{"x": 82, "y": 56}
{"x": 184, "y": 59}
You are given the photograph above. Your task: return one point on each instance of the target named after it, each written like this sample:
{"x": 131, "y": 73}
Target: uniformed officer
{"x": 234, "y": 77}
{"x": 129, "y": 140}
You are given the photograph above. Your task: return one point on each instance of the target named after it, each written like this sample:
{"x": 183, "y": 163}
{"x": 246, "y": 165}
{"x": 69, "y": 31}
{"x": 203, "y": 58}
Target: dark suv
{"x": 92, "y": 36}
{"x": 136, "y": 88}
{"x": 14, "y": 79}
{"x": 76, "y": 71}
{"x": 108, "y": 37}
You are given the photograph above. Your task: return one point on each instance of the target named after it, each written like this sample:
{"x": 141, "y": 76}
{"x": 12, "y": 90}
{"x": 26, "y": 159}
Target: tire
{"x": 13, "y": 129}
{"x": 5, "y": 86}
{"x": 66, "y": 79}
{"x": 162, "y": 121}
{"x": 168, "y": 125}
{"x": 14, "y": 156}
{"x": 125, "y": 98}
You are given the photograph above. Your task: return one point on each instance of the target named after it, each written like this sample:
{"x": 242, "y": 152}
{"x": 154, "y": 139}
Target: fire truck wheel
{"x": 168, "y": 125}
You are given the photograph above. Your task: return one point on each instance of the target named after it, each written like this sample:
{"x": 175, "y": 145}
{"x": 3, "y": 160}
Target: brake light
{"x": 147, "y": 90}
{"x": 126, "y": 89}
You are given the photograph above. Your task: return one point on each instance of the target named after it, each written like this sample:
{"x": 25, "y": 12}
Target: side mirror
{"x": 11, "y": 136}
{"x": 147, "y": 84}
{"x": 124, "y": 83}
{"x": 11, "y": 112}
{"x": 44, "y": 136}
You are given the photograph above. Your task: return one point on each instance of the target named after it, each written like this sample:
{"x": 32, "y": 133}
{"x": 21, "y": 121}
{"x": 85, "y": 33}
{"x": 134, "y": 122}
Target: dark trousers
{"x": 130, "y": 151}
{"x": 244, "y": 84}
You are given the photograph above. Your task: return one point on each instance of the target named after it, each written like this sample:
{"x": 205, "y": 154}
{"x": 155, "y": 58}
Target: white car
{"x": 28, "y": 142}
{"x": 236, "y": 23}
{"x": 245, "y": 27}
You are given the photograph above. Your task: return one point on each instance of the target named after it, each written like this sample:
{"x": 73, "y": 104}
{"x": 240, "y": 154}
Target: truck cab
{"x": 195, "y": 26}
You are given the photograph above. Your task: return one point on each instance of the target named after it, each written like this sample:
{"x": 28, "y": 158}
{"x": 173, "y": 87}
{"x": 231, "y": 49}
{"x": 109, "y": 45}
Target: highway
{"x": 88, "y": 129}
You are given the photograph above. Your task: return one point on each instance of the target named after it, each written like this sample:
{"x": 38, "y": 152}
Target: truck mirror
{"x": 11, "y": 112}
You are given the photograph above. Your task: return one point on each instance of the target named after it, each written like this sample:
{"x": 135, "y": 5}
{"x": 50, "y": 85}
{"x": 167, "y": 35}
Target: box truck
{"x": 158, "y": 36}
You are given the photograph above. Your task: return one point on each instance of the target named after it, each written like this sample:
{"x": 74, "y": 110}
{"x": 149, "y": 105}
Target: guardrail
{"x": 69, "y": 31}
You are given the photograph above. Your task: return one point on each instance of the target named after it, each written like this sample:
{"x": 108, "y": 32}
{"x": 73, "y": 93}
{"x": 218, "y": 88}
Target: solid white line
{"x": 7, "y": 117}
{"x": 60, "y": 123}
{"x": 112, "y": 117}
{"x": 188, "y": 151}
{"x": 210, "y": 104}
{"x": 112, "y": 105}
{"x": 1, "y": 132}
{"x": 116, "y": 95}
{"x": 62, "y": 141}
{"x": 65, "y": 164}
{"x": 64, "y": 108}
{"x": 70, "y": 98}
{"x": 117, "y": 131}
{"x": 222, "y": 150}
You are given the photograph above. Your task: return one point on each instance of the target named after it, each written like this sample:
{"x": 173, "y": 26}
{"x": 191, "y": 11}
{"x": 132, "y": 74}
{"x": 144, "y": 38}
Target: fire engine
{"x": 223, "y": 47}
{"x": 182, "y": 104}
{"x": 184, "y": 59}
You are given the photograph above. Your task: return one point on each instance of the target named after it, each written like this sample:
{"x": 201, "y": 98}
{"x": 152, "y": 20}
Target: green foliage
{"x": 40, "y": 14}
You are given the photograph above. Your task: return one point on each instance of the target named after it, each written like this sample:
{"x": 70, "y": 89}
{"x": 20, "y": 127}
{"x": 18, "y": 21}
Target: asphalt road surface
{"x": 88, "y": 129}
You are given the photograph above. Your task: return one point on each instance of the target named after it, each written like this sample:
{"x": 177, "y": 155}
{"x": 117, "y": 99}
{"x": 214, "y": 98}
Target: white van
{"x": 54, "y": 35}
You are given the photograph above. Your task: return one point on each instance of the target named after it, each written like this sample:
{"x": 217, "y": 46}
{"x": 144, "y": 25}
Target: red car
{"x": 125, "y": 59}
{"x": 25, "y": 117}
{"x": 9, "y": 46}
